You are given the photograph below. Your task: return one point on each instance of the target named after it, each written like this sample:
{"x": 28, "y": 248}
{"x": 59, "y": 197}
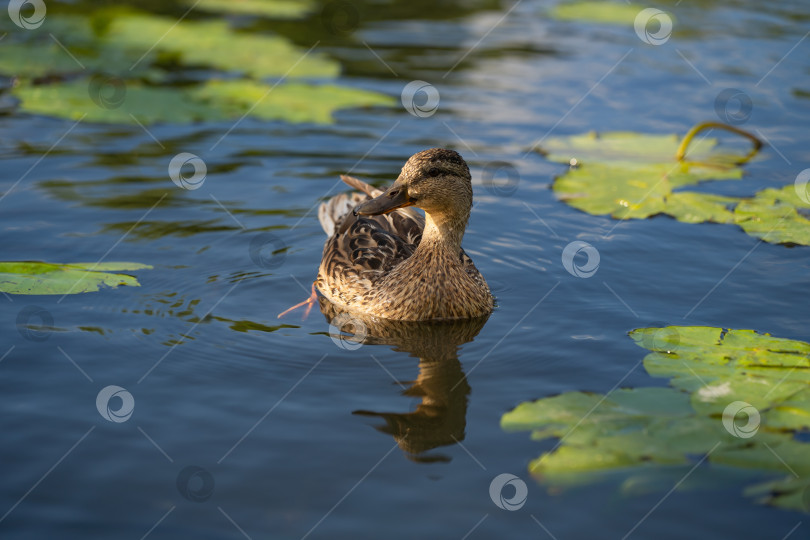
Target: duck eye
{"x": 433, "y": 172}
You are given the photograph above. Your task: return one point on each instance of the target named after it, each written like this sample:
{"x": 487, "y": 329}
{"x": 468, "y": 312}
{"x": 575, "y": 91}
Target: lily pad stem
{"x": 684, "y": 146}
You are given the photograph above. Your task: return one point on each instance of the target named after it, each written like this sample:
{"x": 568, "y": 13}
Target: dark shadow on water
{"x": 440, "y": 419}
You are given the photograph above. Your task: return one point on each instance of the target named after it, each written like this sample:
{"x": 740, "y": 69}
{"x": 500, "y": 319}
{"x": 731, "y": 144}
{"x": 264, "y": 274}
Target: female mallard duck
{"x": 385, "y": 260}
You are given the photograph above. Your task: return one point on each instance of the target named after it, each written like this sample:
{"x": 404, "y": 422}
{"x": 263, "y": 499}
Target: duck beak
{"x": 394, "y": 197}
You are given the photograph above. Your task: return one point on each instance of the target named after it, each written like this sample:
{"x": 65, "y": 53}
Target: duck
{"x": 385, "y": 259}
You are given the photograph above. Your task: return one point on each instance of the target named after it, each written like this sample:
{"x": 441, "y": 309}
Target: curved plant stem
{"x": 684, "y": 146}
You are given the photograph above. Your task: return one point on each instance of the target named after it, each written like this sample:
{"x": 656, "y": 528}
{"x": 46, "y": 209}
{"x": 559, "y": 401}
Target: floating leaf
{"x": 293, "y": 102}
{"x": 775, "y": 215}
{"x": 70, "y": 46}
{"x": 213, "y": 101}
{"x": 31, "y": 277}
{"x": 126, "y": 43}
{"x": 597, "y": 12}
{"x": 113, "y": 51}
{"x": 215, "y": 44}
{"x": 276, "y": 9}
{"x": 790, "y": 493}
{"x": 634, "y": 176}
{"x": 145, "y": 104}
{"x": 630, "y": 175}
{"x": 713, "y": 370}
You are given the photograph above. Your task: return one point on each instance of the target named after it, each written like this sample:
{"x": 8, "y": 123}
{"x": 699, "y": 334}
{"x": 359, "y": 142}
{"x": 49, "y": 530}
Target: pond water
{"x": 247, "y": 425}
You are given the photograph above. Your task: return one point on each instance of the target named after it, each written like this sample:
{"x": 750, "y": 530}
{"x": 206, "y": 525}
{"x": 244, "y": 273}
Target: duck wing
{"x": 362, "y": 249}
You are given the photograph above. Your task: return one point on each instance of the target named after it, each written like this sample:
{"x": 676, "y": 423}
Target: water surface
{"x": 267, "y": 409}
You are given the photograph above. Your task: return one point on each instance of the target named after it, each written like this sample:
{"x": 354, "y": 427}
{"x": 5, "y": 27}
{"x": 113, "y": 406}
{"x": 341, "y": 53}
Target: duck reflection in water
{"x": 440, "y": 417}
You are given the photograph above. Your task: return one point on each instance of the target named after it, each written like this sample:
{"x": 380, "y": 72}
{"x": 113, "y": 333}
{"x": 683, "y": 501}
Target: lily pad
{"x": 293, "y": 102}
{"x": 96, "y": 68}
{"x": 212, "y": 101}
{"x": 70, "y": 46}
{"x": 275, "y": 9}
{"x": 597, "y": 12}
{"x": 630, "y": 175}
{"x": 635, "y": 176}
{"x": 775, "y": 215}
{"x": 32, "y": 277}
{"x": 145, "y": 104}
{"x": 790, "y": 493}
{"x": 764, "y": 381}
{"x": 126, "y": 43}
{"x": 215, "y": 44}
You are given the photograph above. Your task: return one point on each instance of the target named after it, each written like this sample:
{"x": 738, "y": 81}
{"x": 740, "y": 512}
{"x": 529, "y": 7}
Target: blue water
{"x": 264, "y": 408}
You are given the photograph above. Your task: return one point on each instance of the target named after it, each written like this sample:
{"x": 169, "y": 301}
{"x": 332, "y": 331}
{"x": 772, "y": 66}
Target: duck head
{"x": 436, "y": 180}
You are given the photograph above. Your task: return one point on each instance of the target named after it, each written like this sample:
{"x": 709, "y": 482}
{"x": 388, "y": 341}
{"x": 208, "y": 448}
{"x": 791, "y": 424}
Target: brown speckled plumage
{"x": 401, "y": 265}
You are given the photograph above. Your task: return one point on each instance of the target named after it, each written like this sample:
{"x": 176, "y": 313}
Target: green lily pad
{"x": 629, "y": 175}
{"x": 775, "y": 215}
{"x": 145, "y": 104}
{"x": 137, "y": 47}
{"x": 764, "y": 381}
{"x": 597, "y": 12}
{"x": 70, "y": 46}
{"x": 293, "y": 102}
{"x": 212, "y": 101}
{"x": 126, "y": 43}
{"x": 789, "y": 493}
{"x": 215, "y": 44}
{"x": 32, "y": 277}
{"x": 634, "y": 176}
{"x": 275, "y": 9}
